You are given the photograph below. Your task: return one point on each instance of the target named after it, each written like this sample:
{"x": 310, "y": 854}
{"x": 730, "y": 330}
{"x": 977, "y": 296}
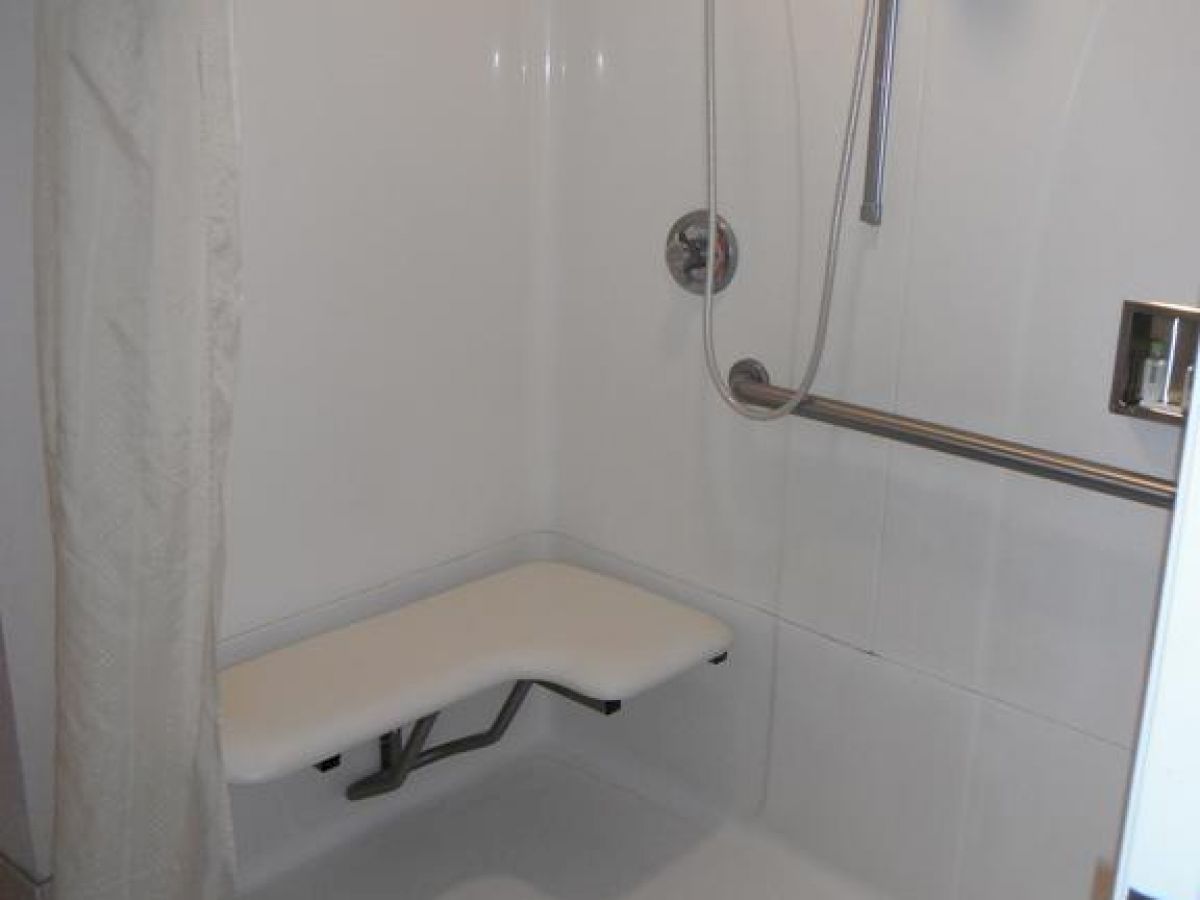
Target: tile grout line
{"x": 902, "y": 665}
{"x": 967, "y": 804}
{"x": 559, "y": 550}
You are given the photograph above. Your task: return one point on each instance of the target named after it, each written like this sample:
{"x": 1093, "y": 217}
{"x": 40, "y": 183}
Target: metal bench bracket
{"x": 399, "y": 758}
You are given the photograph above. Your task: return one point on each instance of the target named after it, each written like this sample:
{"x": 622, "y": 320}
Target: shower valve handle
{"x": 687, "y": 253}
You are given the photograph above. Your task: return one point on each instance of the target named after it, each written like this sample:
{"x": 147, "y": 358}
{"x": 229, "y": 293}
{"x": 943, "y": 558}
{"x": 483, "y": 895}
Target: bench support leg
{"x": 399, "y": 758}
{"x": 605, "y": 707}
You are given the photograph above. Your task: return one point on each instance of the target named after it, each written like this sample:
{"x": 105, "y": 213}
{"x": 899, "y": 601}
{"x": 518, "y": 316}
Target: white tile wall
{"x": 651, "y": 466}
{"x": 1031, "y": 222}
{"x": 870, "y": 765}
{"x": 1043, "y": 811}
{"x": 998, "y": 83}
{"x": 1032, "y": 187}
{"x": 837, "y": 494}
{"x": 1033, "y": 593}
{"x": 922, "y": 789}
{"x": 386, "y": 415}
{"x": 1074, "y": 602}
{"x": 938, "y": 563}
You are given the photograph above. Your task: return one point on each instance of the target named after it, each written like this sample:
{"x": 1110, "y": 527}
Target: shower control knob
{"x": 687, "y": 253}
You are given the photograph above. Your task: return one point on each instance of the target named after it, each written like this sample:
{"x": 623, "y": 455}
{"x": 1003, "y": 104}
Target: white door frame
{"x": 1160, "y": 854}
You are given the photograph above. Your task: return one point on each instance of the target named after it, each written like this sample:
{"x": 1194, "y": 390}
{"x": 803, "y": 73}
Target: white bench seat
{"x": 592, "y": 634}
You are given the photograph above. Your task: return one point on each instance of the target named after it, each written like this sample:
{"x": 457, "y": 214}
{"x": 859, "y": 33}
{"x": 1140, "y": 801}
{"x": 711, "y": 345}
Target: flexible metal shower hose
{"x": 833, "y": 247}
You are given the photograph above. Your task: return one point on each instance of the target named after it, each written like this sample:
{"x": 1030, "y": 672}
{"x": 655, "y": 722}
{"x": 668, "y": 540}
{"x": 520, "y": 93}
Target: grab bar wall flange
{"x": 751, "y": 384}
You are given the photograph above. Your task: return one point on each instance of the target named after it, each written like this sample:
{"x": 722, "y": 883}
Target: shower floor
{"x": 546, "y": 830}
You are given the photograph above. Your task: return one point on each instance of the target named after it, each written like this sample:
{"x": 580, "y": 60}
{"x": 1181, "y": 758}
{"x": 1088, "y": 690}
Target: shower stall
{"x": 462, "y": 340}
{"x": 462, "y": 350}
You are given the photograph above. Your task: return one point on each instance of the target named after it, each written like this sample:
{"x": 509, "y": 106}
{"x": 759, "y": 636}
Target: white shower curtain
{"x": 138, "y": 312}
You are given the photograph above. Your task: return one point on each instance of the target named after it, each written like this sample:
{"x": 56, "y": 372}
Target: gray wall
{"x": 26, "y": 579}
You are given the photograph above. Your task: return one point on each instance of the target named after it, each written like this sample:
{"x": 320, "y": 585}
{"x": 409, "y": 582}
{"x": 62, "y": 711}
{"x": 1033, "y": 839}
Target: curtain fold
{"x": 138, "y": 303}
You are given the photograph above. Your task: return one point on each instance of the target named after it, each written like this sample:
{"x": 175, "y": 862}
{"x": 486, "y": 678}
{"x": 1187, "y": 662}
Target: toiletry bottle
{"x": 1154, "y": 376}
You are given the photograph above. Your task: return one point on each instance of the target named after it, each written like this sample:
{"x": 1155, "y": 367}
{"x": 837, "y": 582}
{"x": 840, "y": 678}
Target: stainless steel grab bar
{"x": 752, "y": 384}
{"x": 881, "y": 110}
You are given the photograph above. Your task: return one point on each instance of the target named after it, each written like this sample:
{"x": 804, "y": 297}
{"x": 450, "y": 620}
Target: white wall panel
{"x": 1034, "y": 183}
{"x": 385, "y": 417}
{"x": 470, "y": 200}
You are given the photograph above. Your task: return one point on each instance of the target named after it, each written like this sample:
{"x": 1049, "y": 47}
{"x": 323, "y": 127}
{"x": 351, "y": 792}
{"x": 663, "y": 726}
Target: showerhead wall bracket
{"x": 687, "y": 253}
